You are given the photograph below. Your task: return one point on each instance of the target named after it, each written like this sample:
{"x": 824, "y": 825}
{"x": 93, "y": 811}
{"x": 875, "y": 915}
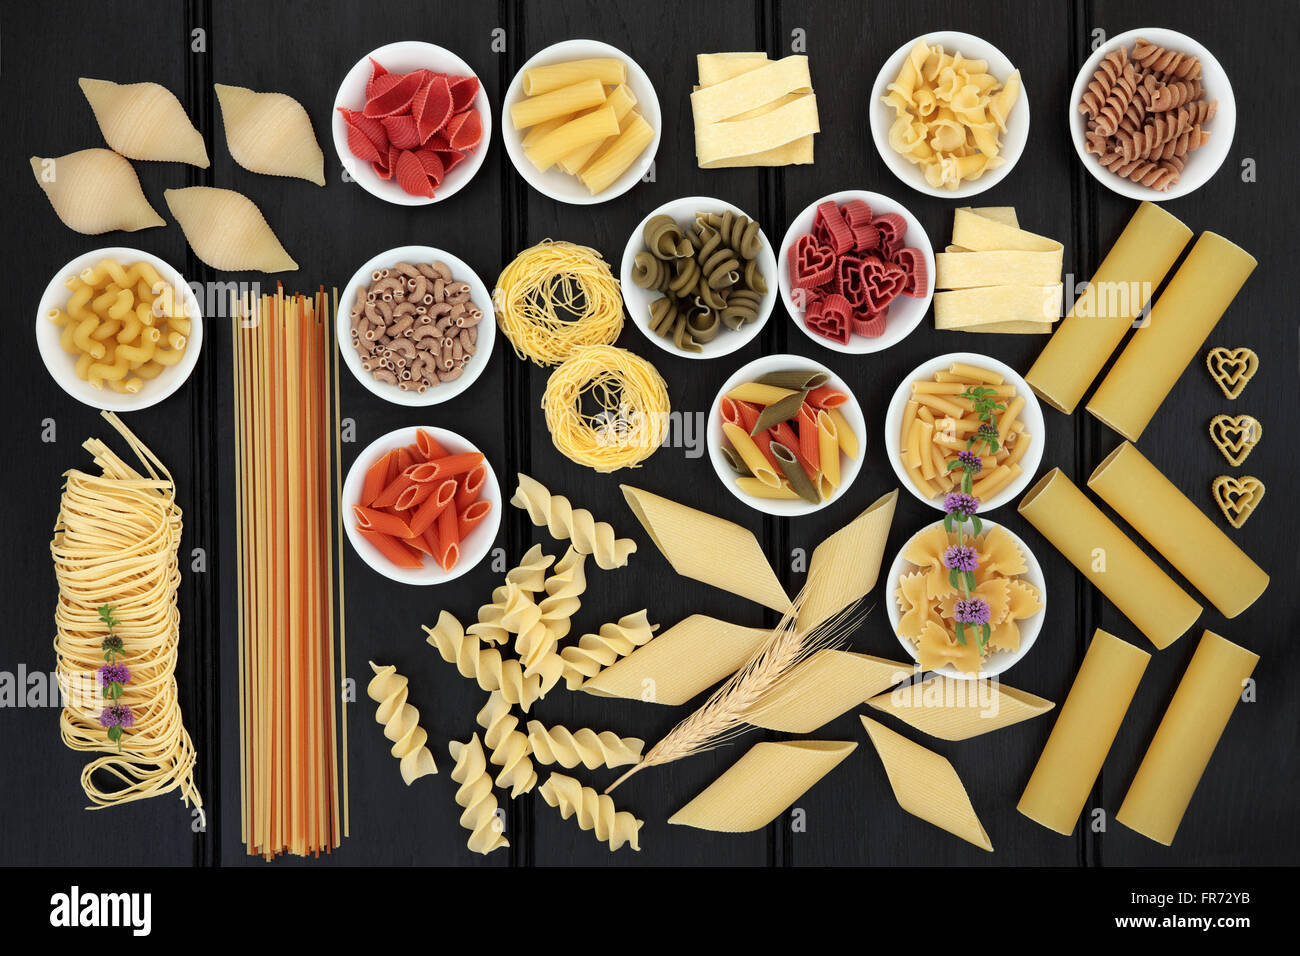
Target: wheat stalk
{"x": 726, "y": 713}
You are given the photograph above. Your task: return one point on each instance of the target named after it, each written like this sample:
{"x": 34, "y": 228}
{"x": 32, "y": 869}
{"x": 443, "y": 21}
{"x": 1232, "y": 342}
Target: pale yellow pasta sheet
{"x": 759, "y": 786}
{"x": 952, "y": 709}
{"x": 968, "y": 270}
{"x": 967, "y": 308}
{"x": 750, "y": 90}
{"x": 719, "y": 142}
{"x": 980, "y": 233}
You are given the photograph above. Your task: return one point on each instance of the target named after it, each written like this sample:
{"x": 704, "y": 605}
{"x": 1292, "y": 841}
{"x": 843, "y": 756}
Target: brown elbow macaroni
{"x": 415, "y": 325}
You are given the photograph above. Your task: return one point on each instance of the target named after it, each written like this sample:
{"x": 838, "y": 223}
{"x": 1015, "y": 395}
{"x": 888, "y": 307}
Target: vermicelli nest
{"x": 632, "y": 420}
{"x": 556, "y": 297}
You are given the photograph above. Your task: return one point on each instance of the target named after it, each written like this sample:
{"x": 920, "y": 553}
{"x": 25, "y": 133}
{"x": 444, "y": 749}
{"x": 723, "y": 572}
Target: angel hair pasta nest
{"x": 626, "y": 413}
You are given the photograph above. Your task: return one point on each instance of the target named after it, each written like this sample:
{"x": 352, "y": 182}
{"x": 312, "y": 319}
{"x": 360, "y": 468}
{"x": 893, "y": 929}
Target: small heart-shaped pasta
{"x": 1237, "y": 498}
{"x": 227, "y": 230}
{"x": 95, "y": 191}
{"x": 144, "y": 121}
{"x": 270, "y": 133}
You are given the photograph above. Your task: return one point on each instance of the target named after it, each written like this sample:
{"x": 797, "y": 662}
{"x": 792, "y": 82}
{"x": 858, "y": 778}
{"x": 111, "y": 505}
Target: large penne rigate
{"x": 952, "y": 709}
{"x": 1089, "y": 720}
{"x": 1090, "y": 541}
{"x": 1120, "y": 289}
{"x": 1188, "y": 733}
{"x": 1180, "y": 531}
{"x": 1181, "y": 320}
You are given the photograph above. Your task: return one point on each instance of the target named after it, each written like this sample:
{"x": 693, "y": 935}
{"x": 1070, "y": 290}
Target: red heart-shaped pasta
{"x": 811, "y": 264}
{"x": 913, "y": 264}
{"x": 830, "y": 228}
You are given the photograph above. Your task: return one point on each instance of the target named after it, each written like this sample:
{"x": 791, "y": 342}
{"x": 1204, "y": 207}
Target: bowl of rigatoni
{"x": 786, "y": 436}
{"x": 581, "y": 122}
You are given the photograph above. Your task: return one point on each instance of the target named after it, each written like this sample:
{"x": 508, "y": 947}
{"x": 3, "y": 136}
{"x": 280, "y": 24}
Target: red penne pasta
{"x": 369, "y": 519}
{"x": 471, "y": 486}
{"x": 428, "y": 446}
{"x": 446, "y": 467}
{"x": 398, "y": 552}
{"x": 394, "y": 466}
{"x": 404, "y": 460}
{"x": 415, "y": 495}
{"x": 471, "y": 516}
{"x": 730, "y": 412}
{"x": 392, "y": 491}
{"x": 826, "y": 397}
{"x": 448, "y": 552}
{"x": 784, "y": 434}
{"x": 431, "y": 541}
{"x": 421, "y": 543}
{"x": 749, "y": 413}
{"x": 809, "y": 438}
{"x": 376, "y": 479}
{"x": 433, "y": 506}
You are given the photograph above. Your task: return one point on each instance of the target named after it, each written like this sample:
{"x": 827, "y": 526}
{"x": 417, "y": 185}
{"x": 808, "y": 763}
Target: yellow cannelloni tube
{"x": 1180, "y": 531}
{"x": 1078, "y": 744}
{"x": 1090, "y": 541}
{"x": 1180, "y": 322}
{"x": 1119, "y": 291}
{"x": 1187, "y": 735}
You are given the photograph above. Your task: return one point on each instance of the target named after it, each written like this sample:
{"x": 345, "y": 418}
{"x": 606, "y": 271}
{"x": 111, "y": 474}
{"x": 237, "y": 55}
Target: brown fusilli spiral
{"x": 1167, "y": 63}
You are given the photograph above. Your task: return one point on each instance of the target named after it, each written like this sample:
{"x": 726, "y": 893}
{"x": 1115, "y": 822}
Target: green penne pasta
{"x": 736, "y": 462}
{"x": 794, "y": 473}
{"x": 802, "y": 379}
{"x": 778, "y": 412}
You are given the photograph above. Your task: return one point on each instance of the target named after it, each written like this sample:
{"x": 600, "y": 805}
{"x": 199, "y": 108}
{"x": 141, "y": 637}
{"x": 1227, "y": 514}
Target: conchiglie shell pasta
{"x": 227, "y": 231}
{"x": 95, "y": 191}
{"x": 270, "y": 133}
{"x": 144, "y": 121}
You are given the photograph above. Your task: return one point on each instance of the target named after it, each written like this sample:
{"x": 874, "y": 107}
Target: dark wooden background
{"x": 1244, "y": 809}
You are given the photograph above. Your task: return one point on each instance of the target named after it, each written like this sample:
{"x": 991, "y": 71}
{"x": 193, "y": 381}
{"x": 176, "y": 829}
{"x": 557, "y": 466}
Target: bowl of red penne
{"x": 421, "y": 505}
{"x": 964, "y": 412}
{"x": 786, "y": 436}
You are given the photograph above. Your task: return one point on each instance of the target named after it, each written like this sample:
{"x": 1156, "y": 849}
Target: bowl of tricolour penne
{"x": 581, "y": 122}
{"x": 964, "y": 407}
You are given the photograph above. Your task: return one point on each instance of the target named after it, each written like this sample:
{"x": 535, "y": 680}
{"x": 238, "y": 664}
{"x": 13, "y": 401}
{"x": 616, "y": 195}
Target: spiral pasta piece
{"x": 509, "y": 746}
{"x": 484, "y": 664}
{"x": 595, "y": 811}
{"x": 401, "y": 723}
{"x": 564, "y": 589}
{"x": 563, "y": 521}
{"x": 1159, "y": 97}
{"x": 475, "y": 795}
{"x": 523, "y": 618}
{"x": 585, "y": 746}
{"x": 1158, "y": 59}
{"x": 1109, "y": 72}
{"x": 594, "y": 652}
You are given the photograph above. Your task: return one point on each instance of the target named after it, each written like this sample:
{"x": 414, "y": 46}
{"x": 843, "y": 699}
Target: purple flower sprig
{"x": 113, "y": 677}
{"x": 961, "y": 560}
{"x": 973, "y": 612}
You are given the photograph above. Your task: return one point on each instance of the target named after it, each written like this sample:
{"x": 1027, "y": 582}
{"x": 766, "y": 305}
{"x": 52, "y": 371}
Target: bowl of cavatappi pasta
{"x": 985, "y": 579}
{"x": 949, "y": 114}
{"x": 119, "y": 329}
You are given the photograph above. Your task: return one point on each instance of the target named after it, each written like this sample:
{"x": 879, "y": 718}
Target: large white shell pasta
{"x": 95, "y": 191}
{"x": 227, "y": 230}
{"x": 270, "y": 133}
{"x": 144, "y": 121}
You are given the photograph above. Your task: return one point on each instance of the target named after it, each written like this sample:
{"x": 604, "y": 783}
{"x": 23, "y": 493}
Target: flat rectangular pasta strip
{"x": 758, "y": 787}
{"x": 1118, "y": 292}
{"x": 1084, "y": 731}
{"x": 823, "y": 687}
{"x": 967, "y": 308}
{"x": 845, "y": 566}
{"x": 952, "y": 709}
{"x": 716, "y": 68}
{"x": 980, "y": 233}
{"x": 1005, "y": 328}
{"x": 926, "y": 785}
{"x": 708, "y": 548}
{"x": 1089, "y": 540}
{"x": 796, "y": 153}
{"x": 722, "y": 141}
{"x": 1186, "y": 738}
{"x": 685, "y": 660}
{"x": 749, "y": 90}
{"x": 968, "y": 270}
{"x": 1178, "y": 530}
{"x": 1182, "y": 319}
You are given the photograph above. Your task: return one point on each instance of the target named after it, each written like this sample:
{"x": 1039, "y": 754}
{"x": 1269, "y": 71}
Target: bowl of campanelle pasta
{"x": 1027, "y": 628}
{"x": 850, "y": 411}
{"x": 882, "y": 115}
{"x": 486, "y": 334}
{"x": 154, "y": 385}
{"x": 639, "y": 94}
{"x": 638, "y": 300}
{"x": 1031, "y": 415}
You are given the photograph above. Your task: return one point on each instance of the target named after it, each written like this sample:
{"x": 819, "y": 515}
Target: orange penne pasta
{"x": 469, "y": 518}
{"x": 809, "y": 437}
{"x": 433, "y": 506}
{"x": 785, "y": 435}
{"x": 393, "y": 491}
{"x": 729, "y": 409}
{"x": 415, "y": 495}
{"x": 749, "y": 413}
{"x": 398, "y": 552}
{"x": 428, "y": 446}
{"x": 471, "y": 486}
{"x": 371, "y": 519}
{"x": 826, "y": 397}
{"x": 448, "y": 552}
{"x": 447, "y": 466}
{"x": 376, "y": 479}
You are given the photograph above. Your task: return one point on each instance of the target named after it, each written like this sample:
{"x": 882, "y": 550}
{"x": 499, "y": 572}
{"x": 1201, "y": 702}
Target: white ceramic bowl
{"x": 403, "y": 57}
{"x": 555, "y": 183}
{"x": 1201, "y": 163}
{"x": 1032, "y": 415}
{"x": 998, "y": 661}
{"x": 638, "y": 300}
{"x": 882, "y": 116}
{"x": 486, "y": 328}
{"x": 61, "y": 364}
{"x": 473, "y": 548}
{"x": 852, "y": 411}
{"x": 905, "y": 312}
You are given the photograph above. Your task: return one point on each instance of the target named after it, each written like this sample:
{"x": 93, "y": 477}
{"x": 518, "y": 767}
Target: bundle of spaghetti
{"x": 114, "y": 548}
{"x": 286, "y": 383}
{"x": 555, "y": 297}
{"x": 632, "y": 402}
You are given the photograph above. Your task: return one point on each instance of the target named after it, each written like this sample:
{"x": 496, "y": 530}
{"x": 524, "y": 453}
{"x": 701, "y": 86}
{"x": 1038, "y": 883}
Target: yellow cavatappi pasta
{"x": 577, "y": 525}
{"x": 754, "y": 790}
{"x": 952, "y": 709}
{"x": 595, "y": 652}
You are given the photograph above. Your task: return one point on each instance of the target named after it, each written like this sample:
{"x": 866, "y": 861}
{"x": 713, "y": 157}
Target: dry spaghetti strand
{"x": 115, "y": 545}
{"x": 556, "y": 297}
{"x": 626, "y": 413}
